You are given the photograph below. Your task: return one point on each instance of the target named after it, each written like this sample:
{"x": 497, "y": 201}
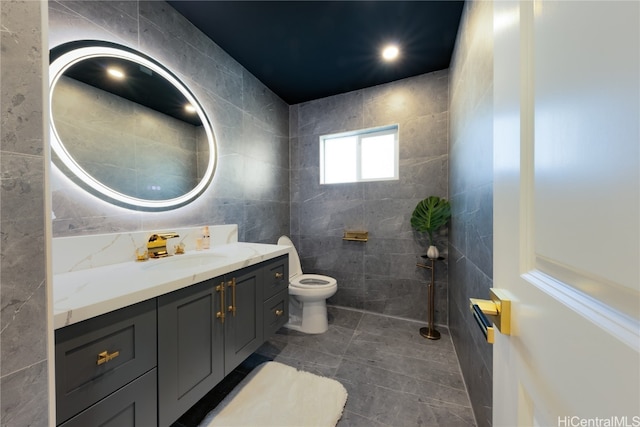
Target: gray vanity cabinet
{"x": 105, "y": 369}
{"x": 276, "y": 295}
{"x": 190, "y": 347}
{"x": 147, "y": 364}
{"x": 204, "y": 332}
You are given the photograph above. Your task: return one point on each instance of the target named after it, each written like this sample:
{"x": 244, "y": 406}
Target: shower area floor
{"x": 394, "y": 376}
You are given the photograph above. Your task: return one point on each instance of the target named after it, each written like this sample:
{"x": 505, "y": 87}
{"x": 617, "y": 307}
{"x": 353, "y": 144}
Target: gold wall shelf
{"x": 356, "y": 236}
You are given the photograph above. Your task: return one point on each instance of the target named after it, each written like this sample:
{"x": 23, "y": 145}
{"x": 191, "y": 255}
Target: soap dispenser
{"x": 206, "y": 238}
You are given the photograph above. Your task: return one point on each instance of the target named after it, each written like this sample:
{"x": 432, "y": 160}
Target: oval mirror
{"x": 127, "y": 129}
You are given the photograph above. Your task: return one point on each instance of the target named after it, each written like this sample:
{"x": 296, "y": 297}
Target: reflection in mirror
{"x": 126, "y": 129}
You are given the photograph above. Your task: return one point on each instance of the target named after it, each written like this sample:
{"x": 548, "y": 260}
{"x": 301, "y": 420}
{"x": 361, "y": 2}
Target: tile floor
{"x": 394, "y": 377}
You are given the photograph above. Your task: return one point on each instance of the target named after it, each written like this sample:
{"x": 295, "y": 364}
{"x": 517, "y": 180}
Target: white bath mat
{"x": 279, "y": 395}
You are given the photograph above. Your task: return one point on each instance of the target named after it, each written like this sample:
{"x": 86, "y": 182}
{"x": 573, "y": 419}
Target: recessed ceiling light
{"x": 190, "y": 108}
{"x": 389, "y": 53}
{"x": 114, "y": 72}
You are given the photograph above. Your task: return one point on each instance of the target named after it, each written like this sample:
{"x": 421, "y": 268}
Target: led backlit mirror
{"x": 126, "y": 129}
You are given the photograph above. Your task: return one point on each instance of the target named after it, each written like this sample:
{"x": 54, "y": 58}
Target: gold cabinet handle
{"x": 105, "y": 356}
{"x": 279, "y": 312}
{"x": 232, "y": 285}
{"x": 279, "y": 276}
{"x": 220, "y": 315}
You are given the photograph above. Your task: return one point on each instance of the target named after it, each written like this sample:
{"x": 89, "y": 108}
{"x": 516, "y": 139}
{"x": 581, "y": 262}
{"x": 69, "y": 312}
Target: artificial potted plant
{"x": 429, "y": 215}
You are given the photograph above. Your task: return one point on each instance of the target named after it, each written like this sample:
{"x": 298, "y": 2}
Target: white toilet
{"x": 308, "y": 295}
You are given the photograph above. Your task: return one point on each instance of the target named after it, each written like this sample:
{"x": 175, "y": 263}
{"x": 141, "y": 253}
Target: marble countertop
{"x": 83, "y": 294}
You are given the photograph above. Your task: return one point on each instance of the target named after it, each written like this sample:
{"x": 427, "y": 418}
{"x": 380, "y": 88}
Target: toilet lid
{"x": 295, "y": 268}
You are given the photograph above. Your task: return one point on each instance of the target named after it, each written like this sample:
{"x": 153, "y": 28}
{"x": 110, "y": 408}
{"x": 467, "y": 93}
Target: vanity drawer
{"x": 276, "y": 313}
{"x": 98, "y": 356}
{"x": 134, "y": 405}
{"x": 276, "y": 276}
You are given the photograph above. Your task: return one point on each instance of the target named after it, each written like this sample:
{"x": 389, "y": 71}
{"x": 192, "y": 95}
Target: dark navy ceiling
{"x": 305, "y": 50}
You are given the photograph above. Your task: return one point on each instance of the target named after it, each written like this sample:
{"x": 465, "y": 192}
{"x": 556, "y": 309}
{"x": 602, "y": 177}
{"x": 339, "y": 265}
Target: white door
{"x": 566, "y": 212}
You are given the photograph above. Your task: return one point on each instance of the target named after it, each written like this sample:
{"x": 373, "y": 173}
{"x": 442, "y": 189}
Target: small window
{"x": 362, "y": 155}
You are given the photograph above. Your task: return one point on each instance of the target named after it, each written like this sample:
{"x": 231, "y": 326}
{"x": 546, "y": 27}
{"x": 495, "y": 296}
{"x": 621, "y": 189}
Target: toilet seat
{"x": 312, "y": 281}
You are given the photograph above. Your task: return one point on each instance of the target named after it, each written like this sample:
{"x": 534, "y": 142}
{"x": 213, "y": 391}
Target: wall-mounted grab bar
{"x": 496, "y": 310}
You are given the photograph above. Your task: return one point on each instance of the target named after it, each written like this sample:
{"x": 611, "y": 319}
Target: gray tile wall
{"x": 381, "y": 275}
{"x": 251, "y": 185}
{"x": 23, "y": 297}
{"x": 471, "y": 189}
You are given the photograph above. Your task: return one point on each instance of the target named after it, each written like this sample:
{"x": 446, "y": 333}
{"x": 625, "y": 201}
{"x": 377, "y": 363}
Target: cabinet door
{"x": 190, "y": 347}
{"x": 243, "y": 326}
{"x": 132, "y": 405}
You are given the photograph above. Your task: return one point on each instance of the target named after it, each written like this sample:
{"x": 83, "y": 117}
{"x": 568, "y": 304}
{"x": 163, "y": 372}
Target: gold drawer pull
{"x": 232, "y": 284}
{"x": 279, "y": 312}
{"x": 105, "y": 356}
{"x": 279, "y": 275}
{"x": 220, "y": 314}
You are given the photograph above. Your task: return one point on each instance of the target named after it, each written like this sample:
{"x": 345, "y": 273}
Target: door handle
{"x": 494, "y": 311}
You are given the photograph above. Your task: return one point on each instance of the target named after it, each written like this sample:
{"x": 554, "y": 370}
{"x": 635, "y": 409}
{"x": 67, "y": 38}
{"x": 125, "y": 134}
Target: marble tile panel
{"x": 350, "y": 292}
{"x": 307, "y": 151}
{"x": 331, "y": 218}
{"x": 453, "y": 416}
{"x": 329, "y": 115}
{"x": 351, "y": 419}
{"x": 424, "y": 136}
{"x": 375, "y": 403}
{"x": 24, "y": 397}
{"x": 480, "y": 230}
{"x": 389, "y": 218}
{"x": 264, "y": 181}
{"x": 383, "y": 349}
{"x": 404, "y": 99}
{"x": 165, "y": 17}
{"x": 309, "y": 189}
{"x": 23, "y": 340}
{"x": 333, "y": 342}
{"x": 262, "y": 103}
{"x": 183, "y": 59}
{"x": 265, "y": 222}
{"x": 21, "y": 119}
{"x": 262, "y": 142}
{"x": 115, "y": 16}
{"x": 91, "y": 21}
{"x": 228, "y": 180}
{"x": 419, "y": 177}
{"x": 404, "y": 331}
{"x": 21, "y": 186}
{"x": 226, "y": 120}
{"x": 293, "y": 120}
{"x": 349, "y": 319}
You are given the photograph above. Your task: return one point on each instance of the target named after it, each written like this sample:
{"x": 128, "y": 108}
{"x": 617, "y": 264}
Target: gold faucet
{"x": 157, "y": 244}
